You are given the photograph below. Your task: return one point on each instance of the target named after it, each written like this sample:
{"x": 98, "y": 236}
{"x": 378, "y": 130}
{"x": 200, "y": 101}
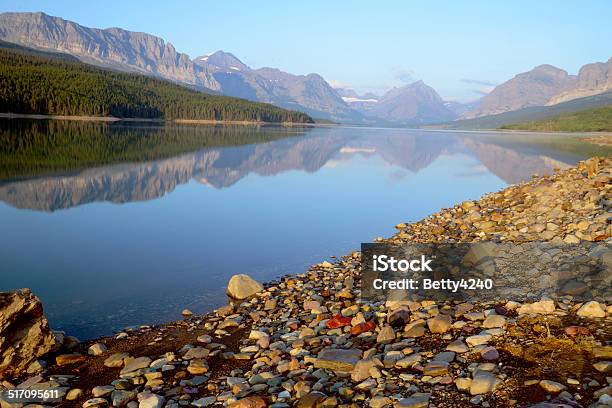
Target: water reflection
{"x": 222, "y": 167}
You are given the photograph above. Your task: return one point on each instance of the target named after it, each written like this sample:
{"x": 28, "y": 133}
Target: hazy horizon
{"x": 460, "y": 49}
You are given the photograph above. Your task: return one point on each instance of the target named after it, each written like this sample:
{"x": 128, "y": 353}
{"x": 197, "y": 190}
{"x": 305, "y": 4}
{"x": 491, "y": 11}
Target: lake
{"x": 115, "y": 225}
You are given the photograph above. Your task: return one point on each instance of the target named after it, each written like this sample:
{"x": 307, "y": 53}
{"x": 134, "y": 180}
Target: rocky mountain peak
{"x": 222, "y": 60}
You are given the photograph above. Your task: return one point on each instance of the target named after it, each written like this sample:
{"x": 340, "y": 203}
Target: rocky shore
{"x": 307, "y": 341}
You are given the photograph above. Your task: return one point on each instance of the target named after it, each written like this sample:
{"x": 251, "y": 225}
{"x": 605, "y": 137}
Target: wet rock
{"x": 24, "y": 332}
{"x": 243, "y": 286}
{"x": 186, "y": 313}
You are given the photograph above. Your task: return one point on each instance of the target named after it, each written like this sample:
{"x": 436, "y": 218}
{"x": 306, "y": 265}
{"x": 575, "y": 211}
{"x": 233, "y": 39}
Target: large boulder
{"x": 24, "y": 332}
{"x": 243, "y": 286}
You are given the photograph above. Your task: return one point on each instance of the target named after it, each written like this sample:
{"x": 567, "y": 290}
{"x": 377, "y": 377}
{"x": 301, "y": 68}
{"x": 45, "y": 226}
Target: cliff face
{"x": 112, "y": 47}
{"x": 593, "y": 79}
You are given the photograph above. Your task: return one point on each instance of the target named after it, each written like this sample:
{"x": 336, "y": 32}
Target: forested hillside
{"x": 39, "y": 84}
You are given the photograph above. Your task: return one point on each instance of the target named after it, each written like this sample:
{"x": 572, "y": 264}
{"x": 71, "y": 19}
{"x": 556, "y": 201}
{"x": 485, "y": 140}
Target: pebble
{"x": 591, "y": 309}
{"x": 552, "y": 387}
{"x": 483, "y": 382}
{"x": 96, "y": 349}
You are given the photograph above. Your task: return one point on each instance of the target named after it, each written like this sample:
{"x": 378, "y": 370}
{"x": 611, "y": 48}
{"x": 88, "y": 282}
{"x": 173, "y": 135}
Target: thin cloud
{"x": 478, "y": 82}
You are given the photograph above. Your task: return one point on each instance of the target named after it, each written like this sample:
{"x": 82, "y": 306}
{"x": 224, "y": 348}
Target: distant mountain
{"x": 532, "y": 88}
{"x": 111, "y": 47}
{"x": 461, "y": 109}
{"x": 307, "y": 93}
{"x": 358, "y": 102}
{"x": 592, "y": 79}
{"x": 413, "y": 104}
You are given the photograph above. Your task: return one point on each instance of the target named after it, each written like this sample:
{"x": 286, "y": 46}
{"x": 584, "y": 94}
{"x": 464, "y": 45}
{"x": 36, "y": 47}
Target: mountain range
{"x": 222, "y": 72}
{"x": 545, "y": 85}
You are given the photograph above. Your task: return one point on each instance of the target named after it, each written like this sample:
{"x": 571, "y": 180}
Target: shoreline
{"x": 445, "y": 354}
{"x": 112, "y": 119}
{"x": 146, "y": 120}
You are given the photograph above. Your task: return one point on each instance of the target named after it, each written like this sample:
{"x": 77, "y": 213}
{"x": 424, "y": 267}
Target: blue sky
{"x": 461, "y": 48}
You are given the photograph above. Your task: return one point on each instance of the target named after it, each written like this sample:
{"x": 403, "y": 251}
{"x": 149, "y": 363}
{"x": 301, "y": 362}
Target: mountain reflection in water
{"x": 222, "y": 167}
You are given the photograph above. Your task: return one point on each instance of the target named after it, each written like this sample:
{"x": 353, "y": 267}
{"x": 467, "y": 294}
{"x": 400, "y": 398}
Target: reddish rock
{"x": 67, "y": 359}
{"x": 577, "y": 331}
{"x": 363, "y": 327}
{"x": 338, "y": 321}
{"x": 489, "y": 353}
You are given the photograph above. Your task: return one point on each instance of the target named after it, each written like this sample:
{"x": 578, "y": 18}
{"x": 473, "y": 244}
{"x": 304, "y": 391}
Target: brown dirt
{"x": 174, "y": 336}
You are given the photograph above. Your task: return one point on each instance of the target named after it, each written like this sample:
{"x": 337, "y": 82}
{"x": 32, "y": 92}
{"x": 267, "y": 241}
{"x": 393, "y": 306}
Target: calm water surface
{"x": 108, "y": 240}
